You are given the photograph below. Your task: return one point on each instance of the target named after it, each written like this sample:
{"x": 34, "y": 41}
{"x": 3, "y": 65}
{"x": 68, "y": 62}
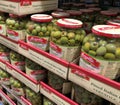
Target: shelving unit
{"x": 97, "y": 84}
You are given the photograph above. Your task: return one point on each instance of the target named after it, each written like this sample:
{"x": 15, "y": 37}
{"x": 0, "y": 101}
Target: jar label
{"x": 18, "y": 91}
{"x": 64, "y": 52}
{"x": 35, "y": 74}
{"x": 108, "y": 69}
{"x": 19, "y": 64}
{"x": 5, "y": 81}
{"x": 38, "y": 42}
{"x": 16, "y": 34}
{"x": 2, "y": 29}
{"x": 4, "y": 56}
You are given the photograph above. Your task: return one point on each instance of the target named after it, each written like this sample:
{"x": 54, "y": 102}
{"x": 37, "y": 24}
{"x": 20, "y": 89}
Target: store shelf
{"x": 95, "y": 83}
{"x": 55, "y": 96}
{"x": 20, "y": 99}
{"x": 29, "y": 7}
{"x": 6, "y": 98}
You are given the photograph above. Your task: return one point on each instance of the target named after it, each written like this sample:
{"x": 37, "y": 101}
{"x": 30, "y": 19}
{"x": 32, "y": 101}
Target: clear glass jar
{"x": 74, "y": 14}
{"x": 105, "y": 16}
{"x": 66, "y": 41}
{"x": 34, "y": 70}
{"x": 84, "y": 97}
{"x": 16, "y": 27}
{"x": 101, "y": 50}
{"x": 34, "y": 98}
{"x": 38, "y": 31}
{"x": 87, "y": 18}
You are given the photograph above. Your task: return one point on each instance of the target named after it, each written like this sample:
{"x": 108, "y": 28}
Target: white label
{"x": 49, "y": 64}
{"x": 9, "y": 44}
{"x": 66, "y": 53}
{"x": 9, "y": 70}
{"x": 18, "y": 91}
{"x": 27, "y": 82}
{"x": 105, "y": 91}
{"x": 3, "y": 66}
{"x": 53, "y": 97}
{"x": 4, "y": 56}
{"x": 79, "y": 78}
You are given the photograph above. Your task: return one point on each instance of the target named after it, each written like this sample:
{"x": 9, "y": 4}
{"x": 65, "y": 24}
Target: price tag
{"x": 79, "y": 78}
{"x": 105, "y": 91}
{"x": 9, "y": 43}
{"x": 49, "y": 64}
{"x": 26, "y": 81}
{"x": 54, "y": 96}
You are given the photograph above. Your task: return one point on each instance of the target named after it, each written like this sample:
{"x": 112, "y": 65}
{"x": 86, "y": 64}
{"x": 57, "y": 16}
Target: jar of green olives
{"x": 34, "y": 70}
{"x": 105, "y": 16}
{"x": 74, "y": 14}
{"x": 2, "y": 23}
{"x": 34, "y": 98}
{"x": 66, "y": 41}
{"x": 17, "y": 60}
{"x": 84, "y": 97}
{"x": 87, "y": 18}
{"x": 101, "y": 51}
{"x": 16, "y": 27}
{"x": 38, "y": 32}
{"x": 4, "y": 53}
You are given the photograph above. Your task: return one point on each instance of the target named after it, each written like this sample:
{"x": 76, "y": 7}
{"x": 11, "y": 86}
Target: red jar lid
{"x": 109, "y": 13}
{"x": 86, "y": 10}
{"x": 74, "y": 12}
{"x": 91, "y": 5}
{"x": 41, "y": 18}
{"x": 115, "y": 22}
{"x": 57, "y": 14}
{"x": 95, "y": 9}
{"x": 78, "y": 4}
{"x": 69, "y": 23}
{"x": 107, "y": 31}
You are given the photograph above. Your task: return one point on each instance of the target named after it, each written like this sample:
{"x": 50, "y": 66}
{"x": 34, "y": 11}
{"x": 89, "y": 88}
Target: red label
{"x": 24, "y": 46}
{"x": 55, "y": 47}
{"x": 19, "y": 63}
{"x": 12, "y": 32}
{"x": 89, "y": 59}
{"x": 37, "y": 39}
{"x": 25, "y": 2}
{"x": 80, "y": 74}
{"x": 37, "y": 72}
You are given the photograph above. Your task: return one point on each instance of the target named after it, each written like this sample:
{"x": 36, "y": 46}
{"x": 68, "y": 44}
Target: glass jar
{"x": 66, "y": 41}
{"x": 87, "y": 18}
{"x": 84, "y": 97}
{"x": 105, "y": 16}
{"x": 74, "y": 14}
{"x": 34, "y": 70}
{"x": 2, "y": 23}
{"x": 4, "y": 53}
{"x": 101, "y": 51}
{"x": 16, "y": 27}
{"x": 38, "y": 31}
{"x": 34, "y": 98}
{"x": 17, "y": 60}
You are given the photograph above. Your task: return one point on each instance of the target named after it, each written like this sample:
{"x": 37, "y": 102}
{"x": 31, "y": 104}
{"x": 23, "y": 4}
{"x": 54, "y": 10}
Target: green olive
{"x": 71, "y": 35}
{"x": 56, "y": 34}
{"x": 64, "y": 40}
{"x": 109, "y": 56}
{"x": 111, "y": 48}
{"x": 117, "y": 53}
{"x": 93, "y": 45}
{"x": 91, "y": 52}
{"x": 102, "y": 42}
{"x": 86, "y": 47}
{"x": 101, "y": 51}
{"x": 71, "y": 42}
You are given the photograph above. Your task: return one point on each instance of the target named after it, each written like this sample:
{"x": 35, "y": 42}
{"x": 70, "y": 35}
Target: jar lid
{"x": 86, "y": 10}
{"x": 69, "y": 23}
{"x": 95, "y": 9}
{"x": 115, "y": 22}
{"x": 60, "y": 14}
{"x": 41, "y": 18}
{"x": 91, "y": 5}
{"x": 108, "y": 13}
{"x": 74, "y": 12}
{"x": 59, "y": 9}
{"x": 107, "y": 31}
{"x": 78, "y": 4}
{"x": 118, "y": 17}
